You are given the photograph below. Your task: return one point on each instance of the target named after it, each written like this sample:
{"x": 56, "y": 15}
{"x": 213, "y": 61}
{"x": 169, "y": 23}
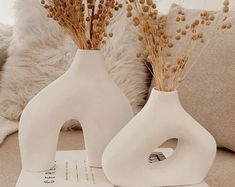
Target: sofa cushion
{"x": 207, "y": 92}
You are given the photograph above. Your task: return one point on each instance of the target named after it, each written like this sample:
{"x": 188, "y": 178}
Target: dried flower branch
{"x": 85, "y": 21}
{"x": 157, "y": 41}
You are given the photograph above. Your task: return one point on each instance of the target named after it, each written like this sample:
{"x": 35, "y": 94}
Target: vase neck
{"x": 89, "y": 62}
{"x": 164, "y": 98}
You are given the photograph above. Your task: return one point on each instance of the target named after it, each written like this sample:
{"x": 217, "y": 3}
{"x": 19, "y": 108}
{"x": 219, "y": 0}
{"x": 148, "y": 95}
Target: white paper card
{"x": 72, "y": 170}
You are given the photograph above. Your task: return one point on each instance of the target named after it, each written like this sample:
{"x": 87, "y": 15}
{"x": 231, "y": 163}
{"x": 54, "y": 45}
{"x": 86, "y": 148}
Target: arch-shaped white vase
{"x": 126, "y": 159}
{"x": 85, "y": 93}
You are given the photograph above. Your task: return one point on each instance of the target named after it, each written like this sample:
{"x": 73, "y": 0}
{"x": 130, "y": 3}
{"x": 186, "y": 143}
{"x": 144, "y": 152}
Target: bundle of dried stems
{"x": 85, "y": 21}
{"x": 157, "y": 41}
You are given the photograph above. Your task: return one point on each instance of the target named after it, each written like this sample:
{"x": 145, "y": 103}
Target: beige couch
{"x": 222, "y": 173}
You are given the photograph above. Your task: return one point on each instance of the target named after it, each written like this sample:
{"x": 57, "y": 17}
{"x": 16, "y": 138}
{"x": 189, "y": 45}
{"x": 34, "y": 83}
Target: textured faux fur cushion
{"x": 41, "y": 51}
{"x": 5, "y": 39}
{"x": 6, "y": 126}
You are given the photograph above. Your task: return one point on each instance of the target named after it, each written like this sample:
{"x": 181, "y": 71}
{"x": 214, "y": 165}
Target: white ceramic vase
{"x": 85, "y": 93}
{"x": 126, "y": 158}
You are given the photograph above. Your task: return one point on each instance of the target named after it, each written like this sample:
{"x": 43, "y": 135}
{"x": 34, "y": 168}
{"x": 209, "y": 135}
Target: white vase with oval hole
{"x": 126, "y": 159}
{"x": 85, "y": 93}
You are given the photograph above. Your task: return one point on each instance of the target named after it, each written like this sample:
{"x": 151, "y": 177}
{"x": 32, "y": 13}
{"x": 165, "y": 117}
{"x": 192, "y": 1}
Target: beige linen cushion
{"x": 208, "y": 92}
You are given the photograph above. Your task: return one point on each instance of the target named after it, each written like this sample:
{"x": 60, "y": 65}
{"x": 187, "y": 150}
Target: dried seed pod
{"x": 226, "y": 9}
{"x": 129, "y": 8}
{"x": 183, "y": 18}
{"x": 178, "y": 19}
{"x": 154, "y": 6}
{"x": 149, "y": 2}
{"x": 178, "y": 37}
{"x": 180, "y": 12}
{"x": 226, "y": 3}
{"x": 145, "y": 8}
{"x": 138, "y": 55}
{"x": 170, "y": 45}
{"x": 200, "y": 35}
{"x": 206, "y": 18}
{"x": 194, "y": 37}
{"x": 212, "y": 18}
{"x": 206, "y": 13}
{"x": 173, "y": 70}
{"x": 184, "y": 32}
{"x": 111, "y": 35}
{"x": 136, "y": 21}
{"x": 178, "y": 30}
{"x": 154, "y": 17}
{"x": 196, "y": 22}
{"x": 229, "y": 25}
{"x": 129, "y": 14}
{"x": 224, "y": 26}
{"x": 140, "y": 38}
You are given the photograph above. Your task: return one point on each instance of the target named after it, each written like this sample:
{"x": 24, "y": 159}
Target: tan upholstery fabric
{"x": 208, "y": 92}
{"x": 221, "y": 175}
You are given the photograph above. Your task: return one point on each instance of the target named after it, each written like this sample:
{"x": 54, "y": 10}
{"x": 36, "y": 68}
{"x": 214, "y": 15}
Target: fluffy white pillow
{"x": 5, "y": 39}
{"x": 41, "y": 51}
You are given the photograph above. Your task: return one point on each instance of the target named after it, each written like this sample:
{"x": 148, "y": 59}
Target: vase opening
{"x": 162, "y": 97}
{"x": 89, "y": 50}
{"x": 161, "y": 91}
{"x": 89, "y": 55}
